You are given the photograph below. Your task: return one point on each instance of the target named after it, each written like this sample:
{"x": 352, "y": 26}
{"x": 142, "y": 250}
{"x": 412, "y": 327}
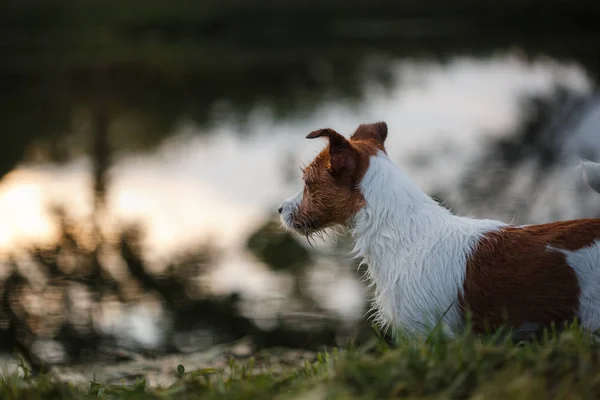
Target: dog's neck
{"x": 398, "y": 214}
{"x": 415, "y": 249}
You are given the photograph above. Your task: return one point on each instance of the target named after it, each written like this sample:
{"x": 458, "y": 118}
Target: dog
{"x": 430, "y": 267}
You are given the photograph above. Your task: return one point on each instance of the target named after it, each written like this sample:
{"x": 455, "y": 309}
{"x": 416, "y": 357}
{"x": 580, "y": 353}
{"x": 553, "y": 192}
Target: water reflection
{"x": 204, "y": 191}
{"x": 222, "y": 185}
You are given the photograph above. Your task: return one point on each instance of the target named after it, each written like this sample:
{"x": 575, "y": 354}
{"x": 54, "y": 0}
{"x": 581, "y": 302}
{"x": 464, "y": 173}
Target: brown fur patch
{"x": 513, "y": 278}
{"x": 329, "y": 199}
{"x": 331, "y": 194}
{"x": 374, "y": 133}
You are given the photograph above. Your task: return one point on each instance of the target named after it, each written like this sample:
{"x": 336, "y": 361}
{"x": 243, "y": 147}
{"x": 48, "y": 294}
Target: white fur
{"x": 586, "y": 264}
{"x": 416, "y": 251}
{"x": 289, "y": 207}
{"x": 591, "y": 174}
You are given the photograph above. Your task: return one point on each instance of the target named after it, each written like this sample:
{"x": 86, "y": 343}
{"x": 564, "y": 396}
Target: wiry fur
{"x": 419, "y": 255}
{"x": 586, "y": 264}
{"x": 415, "y": 250}
{"x": 288, "y": 208}
{"x": 301, "y": 223}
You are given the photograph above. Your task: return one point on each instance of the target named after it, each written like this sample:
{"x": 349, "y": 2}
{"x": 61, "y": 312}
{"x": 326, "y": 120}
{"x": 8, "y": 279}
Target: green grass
{"x": 565, "y": 366}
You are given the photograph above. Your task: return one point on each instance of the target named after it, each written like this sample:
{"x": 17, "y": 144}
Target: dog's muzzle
{"x": 288, "y": 209}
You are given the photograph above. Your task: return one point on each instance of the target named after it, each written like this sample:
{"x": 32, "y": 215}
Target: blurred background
{"x": 145, "y": 148}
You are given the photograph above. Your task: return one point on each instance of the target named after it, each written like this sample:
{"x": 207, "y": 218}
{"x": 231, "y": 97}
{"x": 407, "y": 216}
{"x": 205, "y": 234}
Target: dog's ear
{"x": 377, "y": 131}
{"x": 342, "y": 156}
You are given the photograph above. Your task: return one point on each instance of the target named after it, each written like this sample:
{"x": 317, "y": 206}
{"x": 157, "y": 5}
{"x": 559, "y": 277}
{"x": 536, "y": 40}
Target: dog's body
{"x": 427, "y": 263}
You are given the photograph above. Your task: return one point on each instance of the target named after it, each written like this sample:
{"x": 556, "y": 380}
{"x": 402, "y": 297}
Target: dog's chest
{"x": 416, "y": 286}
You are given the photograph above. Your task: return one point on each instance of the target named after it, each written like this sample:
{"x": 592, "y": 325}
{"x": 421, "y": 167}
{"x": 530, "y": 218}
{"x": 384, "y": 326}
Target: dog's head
{"x": 331, "y": 194}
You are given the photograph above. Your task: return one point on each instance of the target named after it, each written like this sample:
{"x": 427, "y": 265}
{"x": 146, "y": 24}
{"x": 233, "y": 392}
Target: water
{"x": 202, "y": 159}
{"x": 219, "y": 182}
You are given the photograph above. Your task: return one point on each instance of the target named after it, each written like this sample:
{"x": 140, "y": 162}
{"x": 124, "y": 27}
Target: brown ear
{"x": 377, "y": 131}
{"x": 342, "y": 156}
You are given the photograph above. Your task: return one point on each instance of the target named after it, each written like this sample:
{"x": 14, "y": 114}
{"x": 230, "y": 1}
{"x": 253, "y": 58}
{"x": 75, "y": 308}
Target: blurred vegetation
{"x": 59, "y": 279}
{"x": 158, "y": 63}
{"x": 278, "y": 248}
{"x": 561, "y": 366}
{"x": 534, "y": 152}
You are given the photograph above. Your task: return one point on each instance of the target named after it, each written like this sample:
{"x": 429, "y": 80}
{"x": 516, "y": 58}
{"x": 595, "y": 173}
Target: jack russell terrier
{"x": 431, "y": 267}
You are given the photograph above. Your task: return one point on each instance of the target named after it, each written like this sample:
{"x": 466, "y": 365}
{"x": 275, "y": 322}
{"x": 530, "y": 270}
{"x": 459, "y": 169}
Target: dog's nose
{"x": 280, "y": 209}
